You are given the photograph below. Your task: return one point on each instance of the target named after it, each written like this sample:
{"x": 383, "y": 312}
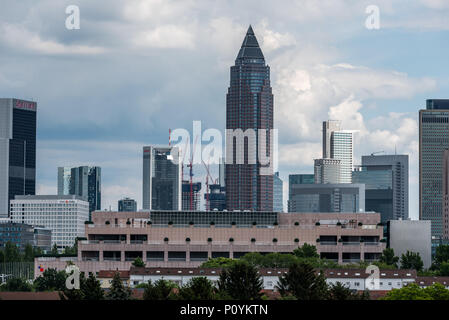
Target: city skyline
{"x": 379, "y": 94}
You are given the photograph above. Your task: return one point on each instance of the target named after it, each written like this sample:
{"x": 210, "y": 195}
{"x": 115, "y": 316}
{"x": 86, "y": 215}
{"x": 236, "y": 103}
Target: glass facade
{"x": 433, "y": 141}
{"x": 218, "y": 218}
{"x": 161, "y": 178}
{"x": 342, "y": 149}
{"x": 127, "y": 205}
{"x": 278, "y": 193}
{"x": 249, "y": 105}
{"x": 81, "y": 181}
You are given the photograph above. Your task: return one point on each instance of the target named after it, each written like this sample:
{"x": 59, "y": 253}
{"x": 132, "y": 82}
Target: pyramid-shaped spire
{"x": 250, "y": 47}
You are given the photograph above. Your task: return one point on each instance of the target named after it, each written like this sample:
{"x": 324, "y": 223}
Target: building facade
{"x": 433, "y": 141}
{"x": 329, "y": 126}
{"x": 116, "y": 239}
{"x": 17, "y": 150}
{"x": 216, "y": 197}
{"x": 162, "y": 179}
{"x": 65, "y": 216}
{"x": 191, "y": 203}
{"x": 411, "y": 235}
{"x": 249, "y": 111}
{"x": 327, "y": 170}
{"x": 294, "y": 179}
{"x": 278, "y": 193}
{"x": 82, "y": 181}
{"x": 343, "y": 197}
{"x": 386, "y": 184}
{"x": 127, "y": 205}
{"x": 342, "y": 149}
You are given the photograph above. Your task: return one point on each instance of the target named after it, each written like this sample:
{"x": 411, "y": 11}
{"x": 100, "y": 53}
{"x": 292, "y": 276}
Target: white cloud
{"x": 18, "y": 37}
{"x": 168, "y": 36}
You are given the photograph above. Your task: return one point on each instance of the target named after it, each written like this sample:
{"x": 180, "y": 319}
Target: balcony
{"x": 351, "y": 260}
{"x": 351, "y": 243}
{"x": 328, "y": 243}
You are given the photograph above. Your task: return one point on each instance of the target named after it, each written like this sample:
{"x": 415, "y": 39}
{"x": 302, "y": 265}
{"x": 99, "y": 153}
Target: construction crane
{"x": 190, "y": 165}
{"x": 208, "y": 175}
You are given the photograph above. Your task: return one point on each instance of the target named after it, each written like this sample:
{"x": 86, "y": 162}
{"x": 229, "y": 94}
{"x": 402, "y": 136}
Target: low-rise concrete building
{"x": 187, "y": 239}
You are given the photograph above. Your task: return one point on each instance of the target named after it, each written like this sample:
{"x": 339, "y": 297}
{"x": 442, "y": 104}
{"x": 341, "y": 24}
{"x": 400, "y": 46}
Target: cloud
{"x": 169, "y": 36}
{"x": 18, "y": 37}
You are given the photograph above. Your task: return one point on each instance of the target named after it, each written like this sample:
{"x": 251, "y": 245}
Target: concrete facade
{"x": 116, "y": 239}
{"x": 411, "y": 235}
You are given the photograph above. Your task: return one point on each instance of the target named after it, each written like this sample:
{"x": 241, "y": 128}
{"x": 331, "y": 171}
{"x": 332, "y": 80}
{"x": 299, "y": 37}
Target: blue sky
{"x": 137, "y": 68}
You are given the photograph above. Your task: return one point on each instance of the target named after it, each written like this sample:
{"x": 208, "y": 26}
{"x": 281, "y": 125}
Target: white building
{"x": 63, "y": 215}
{"x": 342, "y": 149}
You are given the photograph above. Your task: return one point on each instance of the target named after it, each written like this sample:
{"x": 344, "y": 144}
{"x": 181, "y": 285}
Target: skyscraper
{"x": 196, "y": 197}
{"x": 82, "y": 181}
{"x": 338, "y": 144}
{"x": 17, "y": 150}
{"x": 249, "y": 110}
{"x": 329, "y": 126}
{"x": 161, "y": 178}
{"x": 386, "y": 184}
{"x": 278, "y": 193}
{"x": 446, "y": 194}
{"x": 433, "y": 141}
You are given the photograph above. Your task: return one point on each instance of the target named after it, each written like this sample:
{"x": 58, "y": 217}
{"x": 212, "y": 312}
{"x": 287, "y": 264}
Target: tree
{"x": 444, "y": 269}
{"x": 241, "y": 281}
{"x": 160, "y": 290}
{"x": 410, "y": 292}
{"x": 138, "y": 262}
{"x": 92, "y": 289}
{"x": 302, "y": 282}
{"x": 411, "y": 260}
{"x": 198, "y": 288}
{"x": 437, "y": 291}
{"x": 389, "y": 258}
{"x": 340, "y": 292}
{"x": 441, "y": 255}
{"x": 12, "y": 253}
{"x": 254, "y": 258}
{"x": 220, "y": 262}
{"x": 16, "y": 284}
{"x": 28, "y": 253}
{"x": 2, "y": 256}
{"x": 51, "y": 280}
{"x": 306, "y": 251}
{"x": 54, "y": 250}
{"x": 118, "y": 291}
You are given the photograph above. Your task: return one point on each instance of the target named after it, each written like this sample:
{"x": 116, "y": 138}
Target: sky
{"x": 136, "y": 68}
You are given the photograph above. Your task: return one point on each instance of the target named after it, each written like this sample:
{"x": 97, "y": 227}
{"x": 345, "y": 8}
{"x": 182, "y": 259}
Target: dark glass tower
{"x": 249, "y": 105}
{"x": 17, "y": 150}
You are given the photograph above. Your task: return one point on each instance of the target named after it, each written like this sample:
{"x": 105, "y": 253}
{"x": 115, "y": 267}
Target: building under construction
{"x": 191, "y": 202}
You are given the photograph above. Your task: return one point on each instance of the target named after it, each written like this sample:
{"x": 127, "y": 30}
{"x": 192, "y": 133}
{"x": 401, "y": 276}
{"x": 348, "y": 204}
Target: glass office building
{"x": 82, "y": 181}
{"x": 17, "y": 150}
{"x": 162, "y": 185}
{"x": 343, "y": 197}
{"x": 433, "y": 141}
{"x": 249, "y": 105}
{"x": 342, "y": 149}
{"x": 278, "y": 193}
{"x": 127, "y": 205}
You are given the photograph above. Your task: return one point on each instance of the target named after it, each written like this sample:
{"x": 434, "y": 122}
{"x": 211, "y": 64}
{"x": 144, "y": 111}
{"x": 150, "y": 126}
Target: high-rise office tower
{"x": 338, "y": 144}
{"x": 386, "y": 185}
{"x": 327, "y": 170}
{"x": 433, "y": 141}
{"x": 161, "y": 178}
{"x": 82, "y": 181}
{"x": 329, "y": 126}
{"x": 191, "y": 203}
{"x": 446, "y": 194}
{"x": 249, "y": 109}
{"x": 278, "y": 193}
{"x": 17, "y": 150}
{"x": 127, "y": 205}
